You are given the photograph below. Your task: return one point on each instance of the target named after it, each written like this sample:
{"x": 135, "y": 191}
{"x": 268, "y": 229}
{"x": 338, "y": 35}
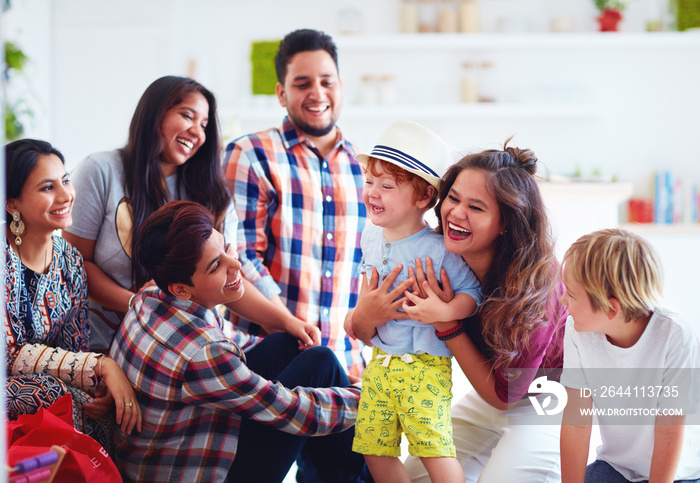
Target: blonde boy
{"x": 407, "y": 385}
{"x": 625, "y": 357}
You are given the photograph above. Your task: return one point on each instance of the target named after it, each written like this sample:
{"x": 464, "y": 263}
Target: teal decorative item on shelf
{"x": 262, "y": 58}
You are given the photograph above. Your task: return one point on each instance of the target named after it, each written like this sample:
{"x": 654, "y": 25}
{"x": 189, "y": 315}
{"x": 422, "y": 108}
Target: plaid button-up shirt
{"x": 301, "y": 220}
{"x": 194, "y": 388}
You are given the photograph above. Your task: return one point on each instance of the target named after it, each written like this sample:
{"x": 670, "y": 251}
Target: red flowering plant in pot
{"x": 610, "y": 14}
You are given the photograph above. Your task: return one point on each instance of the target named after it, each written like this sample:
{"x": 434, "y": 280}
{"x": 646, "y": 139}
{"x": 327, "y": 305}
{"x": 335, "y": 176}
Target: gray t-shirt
{"x": 102, "y": 213}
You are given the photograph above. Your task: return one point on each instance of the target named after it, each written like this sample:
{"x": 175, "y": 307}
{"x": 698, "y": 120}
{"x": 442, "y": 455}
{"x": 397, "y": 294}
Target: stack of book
{"x": 675, "y": 200}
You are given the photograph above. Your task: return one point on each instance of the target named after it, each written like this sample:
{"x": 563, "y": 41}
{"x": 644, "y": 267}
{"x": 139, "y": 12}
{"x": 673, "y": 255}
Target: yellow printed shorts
{"x": 413, "y": 398}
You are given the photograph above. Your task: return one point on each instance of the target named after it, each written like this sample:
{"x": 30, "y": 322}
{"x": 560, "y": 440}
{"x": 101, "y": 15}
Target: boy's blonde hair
{"x": 616, "y": 263}
{"x": 420, "y": 186}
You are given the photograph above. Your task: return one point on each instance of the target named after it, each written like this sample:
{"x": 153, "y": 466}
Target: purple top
{"x": 544, "y": 351}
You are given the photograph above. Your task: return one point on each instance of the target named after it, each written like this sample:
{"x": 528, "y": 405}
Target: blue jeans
{"x": 601, "y": 472}
{"x": 265, "y": 454}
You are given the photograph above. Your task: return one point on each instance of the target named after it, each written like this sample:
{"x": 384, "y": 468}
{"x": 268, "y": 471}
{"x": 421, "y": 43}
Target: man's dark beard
{"x": 312, "y": 131}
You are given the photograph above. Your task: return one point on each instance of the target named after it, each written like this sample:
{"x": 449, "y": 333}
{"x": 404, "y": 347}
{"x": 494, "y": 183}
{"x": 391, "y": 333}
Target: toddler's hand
{"x": 426, "y": 310}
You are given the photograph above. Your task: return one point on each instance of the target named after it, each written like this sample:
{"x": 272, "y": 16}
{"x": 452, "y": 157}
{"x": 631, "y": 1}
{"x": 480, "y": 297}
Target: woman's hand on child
{"x": 420, "y": 276}
{"x": 427, "y": 309}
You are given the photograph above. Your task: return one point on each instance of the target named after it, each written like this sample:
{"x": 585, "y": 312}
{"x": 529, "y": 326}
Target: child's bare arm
{"x": 668, "y": 443}
{"x": 458, "y": 308}
{"x": 575, "y": 437}
{"x": 432, "y": 309}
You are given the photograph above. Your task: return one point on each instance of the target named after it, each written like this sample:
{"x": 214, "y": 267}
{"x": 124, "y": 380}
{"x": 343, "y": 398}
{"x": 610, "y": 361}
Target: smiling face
{"x": 312, "y": 93}
{"x": 46, "y": 199}
{"x": 183, "y": 131}
{"x": 217, "y": 279}
{"x": 392, "y": 204}
{"x": 471, "y": 218}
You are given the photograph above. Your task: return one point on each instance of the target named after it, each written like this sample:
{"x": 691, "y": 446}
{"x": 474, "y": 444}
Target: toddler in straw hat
{"x": 407, "y": 385}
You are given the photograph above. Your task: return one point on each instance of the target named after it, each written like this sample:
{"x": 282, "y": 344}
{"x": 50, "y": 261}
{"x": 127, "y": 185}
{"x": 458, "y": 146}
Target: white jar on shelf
{"x": 350, "y": 21}
{"x": 387, "y": 90}
{"x": 488, "y": 88}
{"x": 468, "y": 86}
{"x": 369, "y": 92}
{"x": 447, "y": 18}
{"x": 427, "y": 16}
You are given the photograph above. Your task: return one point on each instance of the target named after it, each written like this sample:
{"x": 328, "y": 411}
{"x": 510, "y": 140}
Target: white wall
{"x": 91, "y": 60}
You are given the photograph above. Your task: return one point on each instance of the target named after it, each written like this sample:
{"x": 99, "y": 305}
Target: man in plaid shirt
{"x": 298, "y": 193}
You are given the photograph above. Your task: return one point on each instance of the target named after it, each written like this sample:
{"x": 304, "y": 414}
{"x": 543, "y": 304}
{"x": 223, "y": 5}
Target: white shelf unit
{"x": 433, "y": 44}
{"x": 564, "y": 40}
{"x": 445, "y": 50}
{"x": 655, "y": 229}
{"x": 677, "y": 247}
{"x": 456, "y": 111}
{"x": 578, "y": 208}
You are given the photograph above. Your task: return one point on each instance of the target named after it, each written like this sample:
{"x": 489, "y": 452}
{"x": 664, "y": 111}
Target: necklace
{"x": 44, "y": 267}
{"x": 37, "y": 275}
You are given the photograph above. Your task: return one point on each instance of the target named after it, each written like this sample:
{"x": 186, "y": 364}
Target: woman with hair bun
{"x": 492, "y": 214}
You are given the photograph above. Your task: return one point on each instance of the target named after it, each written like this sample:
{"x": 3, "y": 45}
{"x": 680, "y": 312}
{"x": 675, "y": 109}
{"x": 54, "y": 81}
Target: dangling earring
{"x": 17, "y": 227}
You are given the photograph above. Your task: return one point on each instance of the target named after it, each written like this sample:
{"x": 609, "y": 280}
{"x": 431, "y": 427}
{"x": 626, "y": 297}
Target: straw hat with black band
{"x": 414, "y": 148}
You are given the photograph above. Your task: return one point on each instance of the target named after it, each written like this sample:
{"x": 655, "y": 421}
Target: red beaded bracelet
{"x": 451, "y": 333}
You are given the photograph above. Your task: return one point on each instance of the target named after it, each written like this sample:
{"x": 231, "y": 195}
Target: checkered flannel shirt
{"x": 301, "y": 219}
{"x": 194, "y": 388}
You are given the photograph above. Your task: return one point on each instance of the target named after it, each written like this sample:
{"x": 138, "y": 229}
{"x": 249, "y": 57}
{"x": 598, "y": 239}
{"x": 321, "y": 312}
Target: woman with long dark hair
{"x": 173, "y": 153}
{"x": 492, "y": 214}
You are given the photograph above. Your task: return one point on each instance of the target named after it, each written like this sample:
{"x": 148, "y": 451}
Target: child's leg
{"x": 443, "y": 469}
{"x": 377, "y": 430}
{"x": 426, "y": 418}
{"x": 387, "y": 469}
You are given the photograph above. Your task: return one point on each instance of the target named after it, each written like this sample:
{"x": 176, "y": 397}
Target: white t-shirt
{"x": 636, "y": 381}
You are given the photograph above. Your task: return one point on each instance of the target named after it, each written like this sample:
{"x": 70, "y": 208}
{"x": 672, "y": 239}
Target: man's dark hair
{"x": 302, "y": 40}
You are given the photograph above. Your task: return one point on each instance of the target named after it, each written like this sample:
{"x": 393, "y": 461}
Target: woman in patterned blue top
{"x": 45, "y": 322}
